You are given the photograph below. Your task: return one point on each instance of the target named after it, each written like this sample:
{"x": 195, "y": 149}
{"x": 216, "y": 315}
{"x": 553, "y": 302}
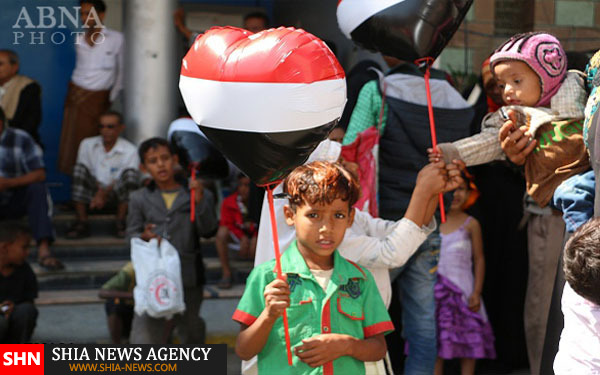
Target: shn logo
{"x": 21, "y": 358}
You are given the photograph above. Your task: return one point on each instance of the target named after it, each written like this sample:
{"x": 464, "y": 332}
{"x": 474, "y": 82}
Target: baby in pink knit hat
{"x": 531, "y": 70}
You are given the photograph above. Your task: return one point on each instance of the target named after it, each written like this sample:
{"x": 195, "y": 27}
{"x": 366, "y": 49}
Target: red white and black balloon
{"x": 405, "y": 29}
{"x": 265, "y": 100}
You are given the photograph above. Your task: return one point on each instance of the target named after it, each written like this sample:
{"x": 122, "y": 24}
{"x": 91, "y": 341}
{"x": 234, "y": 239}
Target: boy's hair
{"x": 10, "y": 230}
{"x": 582, "y": 261}
{"x": 320, "y": 182}
{"x": 111, "y": 112}
{"x": 153, "y": 143}
{"x": 99, "y": 5}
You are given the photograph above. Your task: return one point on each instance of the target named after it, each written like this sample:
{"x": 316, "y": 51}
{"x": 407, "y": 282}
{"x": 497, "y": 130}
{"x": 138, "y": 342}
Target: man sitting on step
{"x": 23, "y": 188}
{"x": 106, "y": 170}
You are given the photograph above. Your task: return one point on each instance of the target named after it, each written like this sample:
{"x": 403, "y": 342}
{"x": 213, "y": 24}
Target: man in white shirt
{"x": 106, "y": 170}
{"x": 96, "y": 81}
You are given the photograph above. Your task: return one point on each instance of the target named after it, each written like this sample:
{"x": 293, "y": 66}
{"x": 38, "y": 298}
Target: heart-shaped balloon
{"x": 265, "y": 100}
{"x": 195, "y": 150}
{"x": 405, "y": 29}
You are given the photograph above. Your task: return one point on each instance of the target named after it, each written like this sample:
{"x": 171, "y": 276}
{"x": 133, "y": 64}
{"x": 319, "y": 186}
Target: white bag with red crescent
{"x": 159, "y": 288}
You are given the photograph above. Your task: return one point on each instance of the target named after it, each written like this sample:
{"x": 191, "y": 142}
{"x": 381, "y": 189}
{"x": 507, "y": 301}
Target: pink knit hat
{"x": 544, "y": 55}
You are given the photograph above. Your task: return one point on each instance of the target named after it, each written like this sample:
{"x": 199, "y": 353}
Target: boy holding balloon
{"x": 336, "y": 314}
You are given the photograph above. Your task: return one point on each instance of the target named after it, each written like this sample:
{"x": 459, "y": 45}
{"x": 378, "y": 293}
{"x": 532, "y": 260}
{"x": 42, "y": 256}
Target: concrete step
{"x": 97, "y": 247}
{"x": 83, "y": 273}
{"x": 103, "y": 247}
{"x": 90, "y": 296}
{"x": 100, "y": 225}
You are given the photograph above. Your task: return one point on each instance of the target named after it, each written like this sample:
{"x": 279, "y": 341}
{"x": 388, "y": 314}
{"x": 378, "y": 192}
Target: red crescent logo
{"x": 157, "y": 294}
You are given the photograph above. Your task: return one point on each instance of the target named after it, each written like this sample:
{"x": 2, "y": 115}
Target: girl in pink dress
{"x": 463, "y": 328}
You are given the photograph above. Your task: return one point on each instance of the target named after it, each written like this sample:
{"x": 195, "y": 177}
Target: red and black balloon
{"x": 265, "y": 100}
{"x": 405, "y": 29}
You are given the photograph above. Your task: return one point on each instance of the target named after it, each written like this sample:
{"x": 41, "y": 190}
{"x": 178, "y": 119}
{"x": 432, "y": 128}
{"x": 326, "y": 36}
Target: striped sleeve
{"x": 483, "y": 147}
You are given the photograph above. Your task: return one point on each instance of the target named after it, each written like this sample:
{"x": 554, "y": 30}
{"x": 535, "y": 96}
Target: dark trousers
{"x": 18, "y": 327}
{"x": 30, "y": 200}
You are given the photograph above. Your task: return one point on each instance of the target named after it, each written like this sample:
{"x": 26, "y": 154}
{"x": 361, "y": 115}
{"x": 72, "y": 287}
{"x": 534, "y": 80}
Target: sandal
{"x": 50, "y": 263}
{"x": 225, "y": 283}
{"x": 79, "y": 229}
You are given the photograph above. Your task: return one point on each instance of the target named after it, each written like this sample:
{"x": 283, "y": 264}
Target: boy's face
{"x": 519, "y": 84}
{"x": 243, "y": 188}
{"x": 160, "y": 164}
{"x": 320, "y": 228}
{"x": 16, "y": 252}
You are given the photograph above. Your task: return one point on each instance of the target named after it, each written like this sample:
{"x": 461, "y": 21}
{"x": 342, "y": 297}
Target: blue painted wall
{"x": 50, "y": 64}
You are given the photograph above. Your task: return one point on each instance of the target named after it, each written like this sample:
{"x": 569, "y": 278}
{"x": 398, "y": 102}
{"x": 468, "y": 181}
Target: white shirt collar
{"x": 117, "y": 148}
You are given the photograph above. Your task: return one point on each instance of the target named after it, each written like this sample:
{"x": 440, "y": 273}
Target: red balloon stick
{"x": 278, "y": 269}
{"x": 428, "y": 61}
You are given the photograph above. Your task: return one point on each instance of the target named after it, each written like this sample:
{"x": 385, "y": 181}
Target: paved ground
{"x": 87, "y": 324}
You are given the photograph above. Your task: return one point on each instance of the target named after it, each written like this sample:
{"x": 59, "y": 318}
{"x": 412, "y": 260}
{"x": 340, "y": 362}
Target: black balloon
{"x": 196, "y": 151}
{"x": 410, "y": 29}
{"x": 272, "y": 156}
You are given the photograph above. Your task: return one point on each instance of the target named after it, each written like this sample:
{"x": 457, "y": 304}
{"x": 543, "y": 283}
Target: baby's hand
{"x": 277, "y": 297}
{"x": 516, "y": 142}
{"x": 432, "y": 179}
{"x": 435, "y": 155}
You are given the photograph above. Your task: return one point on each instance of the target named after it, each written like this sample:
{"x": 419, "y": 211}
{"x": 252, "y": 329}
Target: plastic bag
{"x": 159, "y": 288}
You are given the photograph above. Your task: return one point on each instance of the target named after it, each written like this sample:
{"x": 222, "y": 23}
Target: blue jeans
{"x": 416, "y": 281}
{"x": 575, "y": 199}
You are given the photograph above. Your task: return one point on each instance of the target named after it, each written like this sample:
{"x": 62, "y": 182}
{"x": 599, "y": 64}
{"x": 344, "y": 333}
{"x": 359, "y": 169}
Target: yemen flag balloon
{"x": 265, "y": 100}
{"x": 405, "y": 29}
